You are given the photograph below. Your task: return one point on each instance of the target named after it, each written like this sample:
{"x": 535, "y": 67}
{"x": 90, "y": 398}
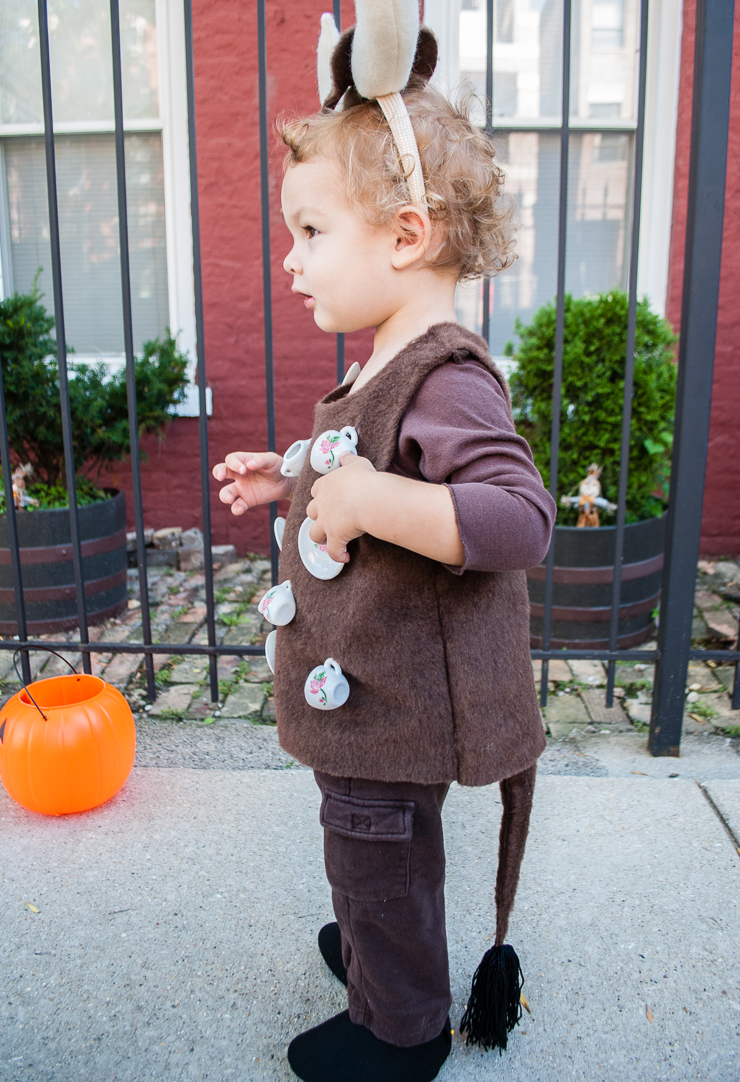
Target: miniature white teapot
{"x": 294, "y": 458}
{"x": 278, "y": 604}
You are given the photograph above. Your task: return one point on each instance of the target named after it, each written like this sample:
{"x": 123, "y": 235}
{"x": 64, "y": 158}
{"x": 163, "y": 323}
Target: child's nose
{"x": 290, "y": 263}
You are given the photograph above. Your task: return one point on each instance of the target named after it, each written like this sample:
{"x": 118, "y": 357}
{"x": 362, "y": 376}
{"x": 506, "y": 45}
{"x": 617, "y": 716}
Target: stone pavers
{"x": 244, "y": 701}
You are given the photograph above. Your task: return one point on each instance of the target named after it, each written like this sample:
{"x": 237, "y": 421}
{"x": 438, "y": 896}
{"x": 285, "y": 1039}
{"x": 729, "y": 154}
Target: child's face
{"x": 341, "y": 264}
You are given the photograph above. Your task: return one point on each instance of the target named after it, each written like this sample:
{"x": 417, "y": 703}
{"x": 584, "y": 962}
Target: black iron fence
{"x": 710, "y": 118}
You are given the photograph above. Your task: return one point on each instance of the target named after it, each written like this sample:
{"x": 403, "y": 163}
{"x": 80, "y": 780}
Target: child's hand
{"x": 336, "y": 503}
{"x": 255, "y": 479}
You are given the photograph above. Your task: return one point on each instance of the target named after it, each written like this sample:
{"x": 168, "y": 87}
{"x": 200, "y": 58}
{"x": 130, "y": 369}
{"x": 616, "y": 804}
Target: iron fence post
{"x": 707, "y": 167}
{"x": 56, "y": 270}
{"x": 485, "y": 326}
{"x": 267, "y": 260}
{"x": 15, "y": 555}
{"x": 128, "y": 339}
{"x": 557, "y": 373}
{"x": 205, "y": 473}
{"x": 337, "y": 11}
{"x": 629, "y": 362}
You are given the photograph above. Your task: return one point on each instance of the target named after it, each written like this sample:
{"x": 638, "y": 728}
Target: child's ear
{"x": 412, "y": 232}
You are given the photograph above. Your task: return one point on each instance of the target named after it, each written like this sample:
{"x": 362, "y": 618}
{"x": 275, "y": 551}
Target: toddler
{"x": 435, "y": 518}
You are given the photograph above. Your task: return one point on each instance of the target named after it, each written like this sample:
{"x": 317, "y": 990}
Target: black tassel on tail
{"x": 494, "y": 1006}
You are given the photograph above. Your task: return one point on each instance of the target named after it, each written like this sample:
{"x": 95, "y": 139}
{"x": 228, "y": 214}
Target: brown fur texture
{"x": 425, "y": 61}
{"x": 441, "y": 685}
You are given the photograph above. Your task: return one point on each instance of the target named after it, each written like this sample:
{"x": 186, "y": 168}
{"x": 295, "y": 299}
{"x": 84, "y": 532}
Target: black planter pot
{"x": 48, "y": 571}
{"x": 583, "y": 582}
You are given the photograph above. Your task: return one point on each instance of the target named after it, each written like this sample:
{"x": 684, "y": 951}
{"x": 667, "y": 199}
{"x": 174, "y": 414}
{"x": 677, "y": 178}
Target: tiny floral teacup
{"x": 278, "y": 604}
{"x": 326, "y": 687}
{"x": 294, "y": 458}
{"x": 330, "y": 446}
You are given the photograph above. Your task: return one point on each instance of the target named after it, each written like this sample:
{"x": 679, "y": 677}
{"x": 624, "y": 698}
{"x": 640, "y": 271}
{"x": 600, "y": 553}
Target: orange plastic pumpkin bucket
{"x": 67, "y": 744}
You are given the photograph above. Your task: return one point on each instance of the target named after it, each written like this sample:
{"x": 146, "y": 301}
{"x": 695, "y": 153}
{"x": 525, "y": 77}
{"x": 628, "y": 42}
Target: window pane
{"x": 527, "y": 57}
{"x": 88, "y": 219}
{"x": 597, "y": 232}
{"x": 80, "y": 46}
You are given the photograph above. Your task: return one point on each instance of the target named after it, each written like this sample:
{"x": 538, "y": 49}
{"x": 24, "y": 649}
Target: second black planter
{"x": 583, "y": 583}
{"x": 48, "y": 572}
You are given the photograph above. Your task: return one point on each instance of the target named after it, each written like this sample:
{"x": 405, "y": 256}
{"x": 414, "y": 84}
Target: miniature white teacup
{"x": 326, "y": 687}
{"x": 329, "y": 446}
{"x": 278, "y": 604}
{"x": 270, "y": 650}
{"x": 279, "y": 529}
{"x": 294, "y": 458}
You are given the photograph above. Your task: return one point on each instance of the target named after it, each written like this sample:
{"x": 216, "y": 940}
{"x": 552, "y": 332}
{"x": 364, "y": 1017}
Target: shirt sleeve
{"x": 456, "y": 431}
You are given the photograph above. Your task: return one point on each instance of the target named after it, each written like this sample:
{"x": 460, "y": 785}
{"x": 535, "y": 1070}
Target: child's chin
{"x": 325, "y": 323}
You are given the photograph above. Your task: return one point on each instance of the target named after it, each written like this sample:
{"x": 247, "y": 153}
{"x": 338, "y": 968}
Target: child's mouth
{"x": 309, "y": 302}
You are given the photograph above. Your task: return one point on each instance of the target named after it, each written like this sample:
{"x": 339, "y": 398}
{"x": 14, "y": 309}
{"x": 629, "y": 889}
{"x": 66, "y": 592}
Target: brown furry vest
{"x": 438, "y": 665}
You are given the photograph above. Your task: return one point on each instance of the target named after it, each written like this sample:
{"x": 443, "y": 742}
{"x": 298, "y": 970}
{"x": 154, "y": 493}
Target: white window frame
{"x": 173, "y": 125}
{"x": 661, "y": 116}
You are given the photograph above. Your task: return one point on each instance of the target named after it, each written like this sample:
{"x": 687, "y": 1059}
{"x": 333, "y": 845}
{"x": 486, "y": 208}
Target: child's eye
{"x": 310, "y": 231}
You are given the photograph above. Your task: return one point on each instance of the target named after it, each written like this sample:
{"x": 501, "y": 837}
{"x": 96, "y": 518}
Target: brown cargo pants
{"x": 385, "y": 862}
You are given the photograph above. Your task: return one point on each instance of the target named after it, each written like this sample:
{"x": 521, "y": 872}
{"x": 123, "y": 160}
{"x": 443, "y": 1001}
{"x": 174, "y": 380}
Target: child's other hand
{"x": 255, "y": 479}
{"x": 335, "y": 507}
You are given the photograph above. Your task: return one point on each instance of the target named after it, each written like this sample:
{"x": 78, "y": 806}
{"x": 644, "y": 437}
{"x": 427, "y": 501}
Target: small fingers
{"x": 337, "y": 551}
{"x": 236, "y": 463}
{"x": 238, "y": 507}
{"x": 317, "y": 534}
{"x": 228, "y": 494}
{"x": 312, "y": 510}
{"x": 264, "y": 460}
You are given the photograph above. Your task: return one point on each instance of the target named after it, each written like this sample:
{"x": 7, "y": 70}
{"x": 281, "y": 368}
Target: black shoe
{"x": 330, "y": 945}
{"x": 341, "y": 1051}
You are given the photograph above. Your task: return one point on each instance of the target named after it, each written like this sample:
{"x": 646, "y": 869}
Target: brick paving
{"x": 576, "y": 702}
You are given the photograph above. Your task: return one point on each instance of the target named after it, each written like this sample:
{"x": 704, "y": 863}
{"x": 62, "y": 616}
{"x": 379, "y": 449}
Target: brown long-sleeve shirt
{"x": 457, "y": 432}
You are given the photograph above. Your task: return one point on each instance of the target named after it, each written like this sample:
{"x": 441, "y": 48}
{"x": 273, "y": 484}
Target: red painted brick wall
{"x": 225, "y": 46}
{"x": 721, "y": 517}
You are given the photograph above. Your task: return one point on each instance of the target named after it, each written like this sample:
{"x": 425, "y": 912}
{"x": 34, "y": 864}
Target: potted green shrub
{"x": 591, "y": 421}
{"x": 100, "y": 436}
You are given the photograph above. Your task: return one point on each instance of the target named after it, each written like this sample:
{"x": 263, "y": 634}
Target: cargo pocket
{"x": 367, "y": 846}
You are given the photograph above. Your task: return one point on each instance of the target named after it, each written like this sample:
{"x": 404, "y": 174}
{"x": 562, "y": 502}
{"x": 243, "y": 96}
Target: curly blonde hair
{"x": 464, "y": 185}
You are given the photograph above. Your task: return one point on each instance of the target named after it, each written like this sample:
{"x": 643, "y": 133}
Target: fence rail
{"x": 712, "y": 70}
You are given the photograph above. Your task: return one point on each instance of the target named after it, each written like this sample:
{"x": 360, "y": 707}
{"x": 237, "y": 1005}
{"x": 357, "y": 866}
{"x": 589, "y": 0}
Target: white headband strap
{"x": 399, "y": 121}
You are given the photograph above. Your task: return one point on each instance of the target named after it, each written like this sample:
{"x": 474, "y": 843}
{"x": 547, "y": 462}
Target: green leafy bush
{"x": 595, "y": 343}
{"x": 98, "y": 404}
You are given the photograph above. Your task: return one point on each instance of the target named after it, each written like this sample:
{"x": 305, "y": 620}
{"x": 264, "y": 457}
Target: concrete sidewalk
{"x": 176, "y": 932}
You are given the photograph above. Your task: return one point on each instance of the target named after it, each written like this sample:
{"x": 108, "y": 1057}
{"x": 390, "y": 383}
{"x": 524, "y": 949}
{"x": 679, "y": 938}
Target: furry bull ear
{"x": 424, "y": 63}
{"x": 384, "y": 45}
{"x": 341, "y": 68}
{"x": 327, "y": 43}
{"x": 425, "y": 60}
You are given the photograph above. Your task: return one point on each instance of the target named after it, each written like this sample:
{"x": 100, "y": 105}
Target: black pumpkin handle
{"x": 28, "y": 693}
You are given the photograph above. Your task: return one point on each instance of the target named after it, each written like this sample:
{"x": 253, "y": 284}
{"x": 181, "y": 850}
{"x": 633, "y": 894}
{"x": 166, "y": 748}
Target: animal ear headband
{"x": 383, "y": 54}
